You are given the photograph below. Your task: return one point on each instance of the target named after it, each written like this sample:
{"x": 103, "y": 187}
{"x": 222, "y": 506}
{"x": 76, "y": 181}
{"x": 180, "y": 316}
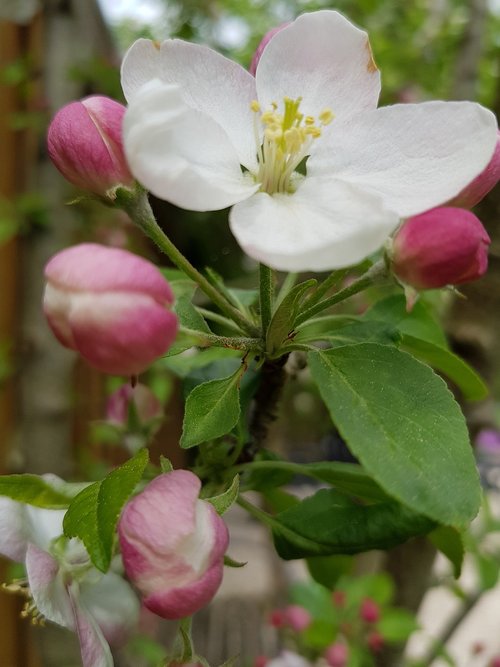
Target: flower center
{"x": 286, "y": 141}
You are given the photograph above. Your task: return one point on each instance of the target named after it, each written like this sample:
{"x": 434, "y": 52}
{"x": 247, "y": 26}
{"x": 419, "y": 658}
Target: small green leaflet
{"x": 283, "y": 318}
{"x": 450, "y": 543}
{"x": 212, "y": 409}
{"x": 403, "y": 424}
{"x": 223, "y": 502}
{"x": 94, "y": 513}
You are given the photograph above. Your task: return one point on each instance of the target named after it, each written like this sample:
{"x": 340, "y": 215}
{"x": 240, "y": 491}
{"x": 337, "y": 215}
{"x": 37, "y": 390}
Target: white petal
{"x": 414, "y": 156}
{"x": 180, "y": 154}
{"x": 15, "y": 529}
{"x": 94, "y": 648}
{"x": 216, "y": 86}
{"x": 46, "y": 525}
{"x": 113, "y": 604}
{"x": 47, "y": 587}
{"x": 324, "y": 59}
{"x": 324, "y": 225}
{"x": 140, "y": 64}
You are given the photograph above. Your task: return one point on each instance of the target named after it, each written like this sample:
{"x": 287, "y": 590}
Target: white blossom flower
{"x": 62, "y": 586}
{"x": 204, "y": 134}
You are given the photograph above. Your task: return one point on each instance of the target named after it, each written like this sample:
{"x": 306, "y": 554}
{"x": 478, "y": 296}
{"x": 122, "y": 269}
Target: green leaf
{"x": 403, "y": 424}
{"x": 449, "y": 541}
{"x": 165, "y": 464}
{"x": 188, "y": 316}
{"x": 396, "y": 625}
{"x": 186, "y": 364}
{"x": 314, "y": 597}
{"x": 320, "y": 327}
{"x": 419, "y": 322}
{"x": 281, "y": 324}
{"x": 94, "y": 513}
{"x": 212, "y": 410}
{"x": 230, "y": 562}
{"x": 223, "y": 502}
{"x": 33, "y": 490}
{"x": 357, "y": 332}
{"x": 449, "y": 364}
{"x": 327, "y": 570}
{"x": 327, "y": 524}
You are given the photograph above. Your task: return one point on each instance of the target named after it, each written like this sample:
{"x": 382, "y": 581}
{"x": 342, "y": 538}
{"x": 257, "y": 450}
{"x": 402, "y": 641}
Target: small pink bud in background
{"x": 260, "y": 661}
{"x": 339, "y": 599}
{"x": 144, "y": 403}
{"x": 488, "y": 441}
{"x": 369, "y": 611}
{"x": 444, "y": 246}
{"x": 375, "y": 642}
{"x": 111, "y": 306}
{"x": 482, "y": 184}
{"x": 337, "y": 654}
{"x": 297, "y": 618}
{"x": 173, "y": 545}
{"x": 495, "y": 661}
{"x": 85, "y": 143}
{"x": 262, "y": 45}
{"x": 277, "y": 618}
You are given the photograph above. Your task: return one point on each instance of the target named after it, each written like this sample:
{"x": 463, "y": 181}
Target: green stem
{"x": 216, "y": 317}
{"x": 139, "y": 209}
{"x": 327, "y": 284}
{"x": 256, "y": 512}
{"x": 266, "y": 296}
{"x": 187, "y": 640}
{"x": 374, "y": 274}
{"x": 235, "y": 343}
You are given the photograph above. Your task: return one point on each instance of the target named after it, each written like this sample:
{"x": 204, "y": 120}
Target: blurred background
{"x": 52, "y": 406}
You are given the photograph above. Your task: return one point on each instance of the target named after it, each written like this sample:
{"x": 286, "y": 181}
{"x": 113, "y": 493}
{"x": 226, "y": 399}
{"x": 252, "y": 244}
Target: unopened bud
{"x": 111, "y": 306}
{"x": 262, "y": 45}
{"x": 85, "y": 143}
{"x": 375, "y": 642}
{"x": 482, "y": 184}
{"x": 138, "y": 400}
{"x": 444, "y": 246}
{"x": 369, "y": 611}
{"x": 337, "y": 654}
{"x": 173, "y": 545}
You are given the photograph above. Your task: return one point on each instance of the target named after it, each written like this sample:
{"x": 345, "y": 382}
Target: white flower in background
{"x": 62, "y": 586}
{"x": 204, "y": 134}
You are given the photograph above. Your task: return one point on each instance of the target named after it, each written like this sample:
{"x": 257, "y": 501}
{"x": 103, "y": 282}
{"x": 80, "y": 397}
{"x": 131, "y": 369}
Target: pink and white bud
{"x": 262, "y": 45}
{"x": 444, "y": 246}
{"x": 297, "y": 618}
{"x": 85, "y": 143}
{"x": 369, "y": 611}
{"x": 111, "y": 306}
{"x": 482, "y": 184}
{"x": 375, "y": 642}
{"x": 139, "y": 399}
{"x": 337, "y": 654}
{"x": 173, "y": 545}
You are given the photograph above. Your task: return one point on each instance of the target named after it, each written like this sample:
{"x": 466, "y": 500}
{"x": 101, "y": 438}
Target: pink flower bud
{"x": 375, "y": 642}
{"x": 109, "y": 305}
{"x": 369, "y": 611}
{"x": 145, "y": 404}
{"x": 277, "y": 618}
{"x": 339, "y": 599}
{"x": 482, "y": 184}
{"x": 337, "y": 654}
{"x": 85, "y": 144}
{"x": 262, "y": 45}
{"x": 444, "y": 246}
{"x": 495, "y": 661}
{"x": 173, "y": 545}
{"x": 297, "y": 618}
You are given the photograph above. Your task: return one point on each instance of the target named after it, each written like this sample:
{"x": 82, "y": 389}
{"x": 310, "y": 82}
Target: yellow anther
{"x": 255, "y": 106}
{"x": 269, "y": 117}
{"x": 273, "y": 133}
{"x": 313, "y": 131}
{"x": 293, "y": 139}
{"x": 274, "y": 105}
{"x": 309, "y": 120}
{"x": 326, "y": 116}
